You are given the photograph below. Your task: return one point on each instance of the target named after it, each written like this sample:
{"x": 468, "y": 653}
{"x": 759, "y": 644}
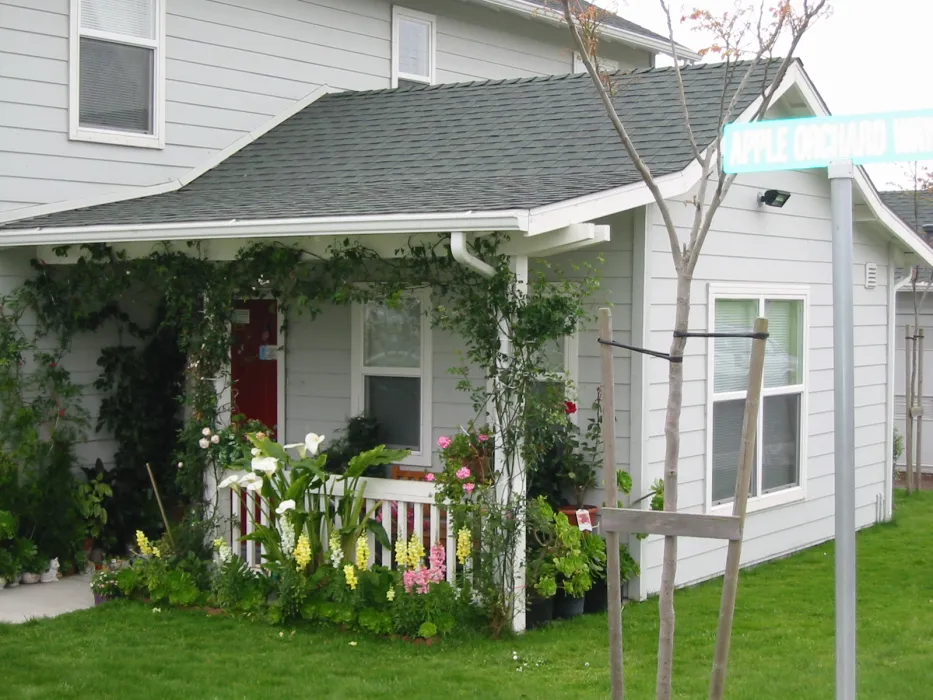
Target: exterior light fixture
{"x": 773, "y": 198}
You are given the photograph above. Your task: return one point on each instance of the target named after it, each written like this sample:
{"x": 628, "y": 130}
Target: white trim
{"x": 399, "y": 12}
{"x": 890, "y": 389}
{"x": 358, "y": 372}
{"x": 76, "y": 132}
{"x": 601, "y": 204}
{"x": 514, "y": 220}
{"x": 171, "y": 185}
{"x": 761, "y": 294}
{"x": 640, "y": 408}
{"x": 281, "y": 379}
{"x": 606, "y": 31}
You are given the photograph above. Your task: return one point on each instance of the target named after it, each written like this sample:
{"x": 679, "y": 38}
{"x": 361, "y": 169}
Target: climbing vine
{"x": 163, "y": 376}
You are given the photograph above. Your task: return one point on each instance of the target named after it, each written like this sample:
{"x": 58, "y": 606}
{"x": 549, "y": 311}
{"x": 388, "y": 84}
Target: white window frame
{"x": 358, "y": 374}
{"x": 399, "y": 12}
{"x": 571, "y": 370}
{"x": 761, "y": 294}
{"x": 76, "y": 132}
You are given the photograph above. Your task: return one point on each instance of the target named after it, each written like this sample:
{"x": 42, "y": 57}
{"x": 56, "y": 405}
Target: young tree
{"x": 745, "y": 39}
{"x": 922, "y": 199}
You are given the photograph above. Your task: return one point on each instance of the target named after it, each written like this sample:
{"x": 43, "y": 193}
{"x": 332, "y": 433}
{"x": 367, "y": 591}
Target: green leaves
{"x": 377, "y": 456}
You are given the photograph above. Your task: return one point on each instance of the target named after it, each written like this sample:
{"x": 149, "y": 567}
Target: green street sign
{"x": 812, "y": 142}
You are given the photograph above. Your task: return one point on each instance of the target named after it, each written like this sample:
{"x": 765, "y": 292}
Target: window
{"x": 116, "y": 72}
{"x": 603, "y": 64}
{"x": 560, "y": 359}
{"x": 413, "y": 47}
{"x": 392, "y": 373}
{"x": 779, "y": 449}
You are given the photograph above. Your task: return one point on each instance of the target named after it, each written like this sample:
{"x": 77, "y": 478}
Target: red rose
{"x": 570, "y": 407}
{"x": 61, "y": 413}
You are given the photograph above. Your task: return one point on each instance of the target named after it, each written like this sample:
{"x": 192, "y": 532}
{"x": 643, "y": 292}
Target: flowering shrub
{"x": 105, "y": 584}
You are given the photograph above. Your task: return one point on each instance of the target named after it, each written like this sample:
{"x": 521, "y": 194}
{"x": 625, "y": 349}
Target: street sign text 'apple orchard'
{"x": 835, "y": 143}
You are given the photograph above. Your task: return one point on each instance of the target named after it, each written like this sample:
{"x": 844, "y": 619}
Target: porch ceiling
{"x": 495, "y": 146}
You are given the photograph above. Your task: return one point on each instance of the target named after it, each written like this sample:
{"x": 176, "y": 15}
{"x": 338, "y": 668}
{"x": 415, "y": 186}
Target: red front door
{"x": 254, "y": 363}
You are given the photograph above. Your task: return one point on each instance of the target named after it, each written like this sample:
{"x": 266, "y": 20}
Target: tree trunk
{"x": 675, "y": 399}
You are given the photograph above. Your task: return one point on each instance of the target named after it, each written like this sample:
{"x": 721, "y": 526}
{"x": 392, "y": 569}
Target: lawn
{"x": 783, "y": 644}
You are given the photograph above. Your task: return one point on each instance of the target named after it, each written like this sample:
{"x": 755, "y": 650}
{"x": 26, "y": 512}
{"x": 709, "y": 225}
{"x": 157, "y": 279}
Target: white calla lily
{"x": 230, "y": 481}
{"x": 266, "y": 465}
{"x": 313, "y": 442}
{"x": 251, "y": 482}
{"x": 285, "y": 506}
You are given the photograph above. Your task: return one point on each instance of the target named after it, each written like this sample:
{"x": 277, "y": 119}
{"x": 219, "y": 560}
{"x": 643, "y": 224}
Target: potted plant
{"x": 541, "y": 574}
{"x": 581, "y": 461}
{"x": 24, "y": 554}
{"x": 470, "y": 452}
{"x": 90, "y": 498}
{"x": 105, "y": 586}
{"x": 562, "y": 556}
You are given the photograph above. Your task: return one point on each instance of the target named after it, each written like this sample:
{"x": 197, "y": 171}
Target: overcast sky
{"x": 865, "y": 57}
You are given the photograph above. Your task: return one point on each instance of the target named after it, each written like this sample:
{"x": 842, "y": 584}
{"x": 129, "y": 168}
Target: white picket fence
{"x": 404, "y": 508}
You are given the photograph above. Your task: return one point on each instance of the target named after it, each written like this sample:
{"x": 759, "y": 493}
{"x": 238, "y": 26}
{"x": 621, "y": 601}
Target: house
{"x": 166, "y": 84}
{"x": 522, "y": 153}
{"x": 916, "y": 209}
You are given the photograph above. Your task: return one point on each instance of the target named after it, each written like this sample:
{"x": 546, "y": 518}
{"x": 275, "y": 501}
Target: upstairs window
{"x": 116, "y": 71}
{"x": 413, "y": 47}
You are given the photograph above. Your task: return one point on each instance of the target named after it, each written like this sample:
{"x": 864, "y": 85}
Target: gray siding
{"x": 769, "y": 247}
{"x": 230, "y": 66}
{"x": 905, "y": 315}
{"x": 81, "y": 360}
{"x": 318, "y": 361}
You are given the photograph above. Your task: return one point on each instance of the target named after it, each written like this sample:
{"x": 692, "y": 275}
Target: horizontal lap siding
{"x": 318, "y": 360}
{"x": 231, "y": 65}
{"x": 768, "y": 246}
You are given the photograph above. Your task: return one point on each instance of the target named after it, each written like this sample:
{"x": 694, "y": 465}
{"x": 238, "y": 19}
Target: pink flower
{"x": 483, "y": 437}
{"x": 443, "y": 442}
{"x": 429, "y": 477}
{"x": 463, "y": 473}
{"x": 469, "y": 487}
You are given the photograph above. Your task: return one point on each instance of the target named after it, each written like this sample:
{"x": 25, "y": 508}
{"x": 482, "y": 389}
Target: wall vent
{"x": 871, "y": 275}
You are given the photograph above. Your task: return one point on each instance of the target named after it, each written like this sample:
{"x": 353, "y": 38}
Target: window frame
{"x": 76, "y": 132}
{"x": 359, "y": 372}
{"x": 399, "y": 12}
{"x": 761, "y": 294}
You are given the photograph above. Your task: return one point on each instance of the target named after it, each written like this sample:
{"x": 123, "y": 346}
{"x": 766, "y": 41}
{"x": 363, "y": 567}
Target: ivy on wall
{"x": 161, "y": 383}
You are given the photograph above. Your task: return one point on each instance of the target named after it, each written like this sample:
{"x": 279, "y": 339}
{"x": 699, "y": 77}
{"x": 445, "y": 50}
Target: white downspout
{"x": 458, "y": 248}
{"x": 892, "y": 290}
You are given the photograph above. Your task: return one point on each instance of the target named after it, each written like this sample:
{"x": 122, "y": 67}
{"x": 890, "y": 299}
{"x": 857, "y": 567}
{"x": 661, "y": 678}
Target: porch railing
{"x": 404, "y": 508}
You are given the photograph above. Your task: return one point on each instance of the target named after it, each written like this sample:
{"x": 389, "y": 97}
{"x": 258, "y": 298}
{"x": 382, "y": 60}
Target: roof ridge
{"x": 653, "y": 70}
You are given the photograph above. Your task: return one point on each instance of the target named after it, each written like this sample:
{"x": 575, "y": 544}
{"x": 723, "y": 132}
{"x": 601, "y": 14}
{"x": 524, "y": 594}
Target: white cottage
{"x": 535, "y": 158}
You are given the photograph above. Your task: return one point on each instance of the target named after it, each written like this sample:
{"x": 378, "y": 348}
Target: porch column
{"x": 512, "y": 481}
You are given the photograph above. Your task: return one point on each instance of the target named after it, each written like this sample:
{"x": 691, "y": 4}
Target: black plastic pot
{"x": 540, "y": 613}
{"x": 566, "y": 607}
{"x": 597, "y": 598}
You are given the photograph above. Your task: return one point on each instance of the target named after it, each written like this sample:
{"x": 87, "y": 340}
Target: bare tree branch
{"x": 643, "y": 170}
{"x": 680, "y": 87}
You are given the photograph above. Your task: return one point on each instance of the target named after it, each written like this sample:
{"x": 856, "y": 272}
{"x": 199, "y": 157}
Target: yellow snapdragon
{"x": 401, "y": 552}
{"x": 464, "y": 544}
{"x": 303, "y": 552}
{"x": 145, "y": 546}
{"x": 415, "y": 552}
{"x": 362, "y": 554}
{"x": 349, "y": 573}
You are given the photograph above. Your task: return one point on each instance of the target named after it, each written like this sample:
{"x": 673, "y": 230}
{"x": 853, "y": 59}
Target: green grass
{"x": 782, "y": 648}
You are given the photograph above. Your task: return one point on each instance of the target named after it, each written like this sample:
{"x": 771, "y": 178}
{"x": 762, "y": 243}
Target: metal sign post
{"x": 840, "y": 179}
{"x": 837, "y": 143}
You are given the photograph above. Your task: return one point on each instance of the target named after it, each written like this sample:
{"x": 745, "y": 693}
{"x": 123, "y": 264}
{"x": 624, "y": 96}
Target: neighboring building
{"x": 514, "y": 161}
{"x": 916, "y": 209}
{"x": 102, "y": 97}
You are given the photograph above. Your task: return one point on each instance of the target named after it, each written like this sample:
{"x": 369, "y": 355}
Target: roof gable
{"x": 492, "y": 145}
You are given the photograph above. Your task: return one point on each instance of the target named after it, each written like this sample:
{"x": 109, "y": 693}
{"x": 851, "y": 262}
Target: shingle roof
{"x": 902, "y": 203}
{"x": 492, "y": 145}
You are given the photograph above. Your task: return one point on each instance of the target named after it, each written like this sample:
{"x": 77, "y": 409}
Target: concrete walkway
{"x": 45, "y": 599}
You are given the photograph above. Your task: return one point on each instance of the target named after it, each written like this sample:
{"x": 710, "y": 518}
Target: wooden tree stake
{"x": 747, "y": 449}
{"x": 918, "y": 446}
{"x": 155, "y": 487}
{"x": 613, "y": 565}
{"x": 908, "y": 412}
